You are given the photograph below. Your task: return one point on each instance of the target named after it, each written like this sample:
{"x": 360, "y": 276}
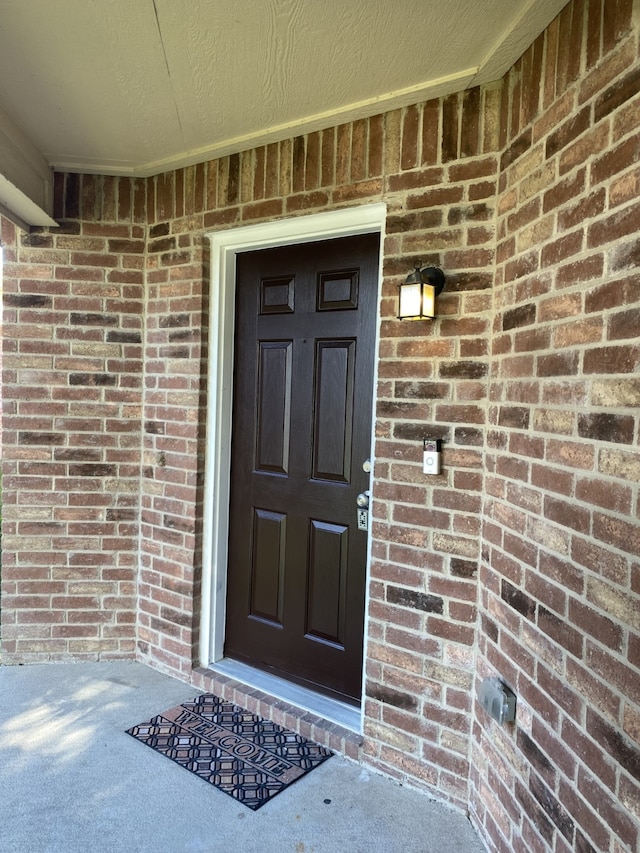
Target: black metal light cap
{"x": 434, "y": 276}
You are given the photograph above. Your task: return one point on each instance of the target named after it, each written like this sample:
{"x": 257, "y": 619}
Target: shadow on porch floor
{"x": 71, "y": 780}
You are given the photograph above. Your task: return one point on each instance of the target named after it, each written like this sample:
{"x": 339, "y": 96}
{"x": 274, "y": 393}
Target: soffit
{"x": 141, "y": 86}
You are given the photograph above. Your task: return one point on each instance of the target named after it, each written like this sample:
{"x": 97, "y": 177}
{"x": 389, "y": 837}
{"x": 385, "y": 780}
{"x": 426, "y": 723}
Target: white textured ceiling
{"x": 140, "y": 86}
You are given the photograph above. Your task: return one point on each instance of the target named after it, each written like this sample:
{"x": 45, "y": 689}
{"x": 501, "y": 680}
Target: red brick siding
{"x": 72, "y": 343}
{"x": 558, "y": 607}
{"x": 173, "y": 430}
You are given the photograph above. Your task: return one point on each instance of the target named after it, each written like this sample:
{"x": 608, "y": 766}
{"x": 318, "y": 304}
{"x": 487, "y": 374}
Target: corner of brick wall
{"x": 174, "y": 415}
{"x": 432, "y": 382}
{"x": 560, "y": 582}
{"x": 72, "y": 343}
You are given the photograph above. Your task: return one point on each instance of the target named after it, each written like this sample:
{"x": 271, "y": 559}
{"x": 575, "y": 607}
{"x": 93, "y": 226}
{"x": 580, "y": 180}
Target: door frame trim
{"x": 224, "y": 246}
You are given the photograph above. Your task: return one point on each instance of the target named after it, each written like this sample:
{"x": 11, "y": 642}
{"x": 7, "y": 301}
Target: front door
{"x": 303, "y": 386}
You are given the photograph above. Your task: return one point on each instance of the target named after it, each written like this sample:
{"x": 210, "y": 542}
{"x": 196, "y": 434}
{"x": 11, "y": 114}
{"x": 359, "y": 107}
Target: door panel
{"x": 326, "y": 600}
{"x": 273, "y": 406}
{"x": 303, "y": 386}
{"x": 267, "y": 565}
{"x": 333, "y": 405}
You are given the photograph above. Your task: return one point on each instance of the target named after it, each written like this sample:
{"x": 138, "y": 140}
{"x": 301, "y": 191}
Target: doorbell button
{"x": 431, "y": 456}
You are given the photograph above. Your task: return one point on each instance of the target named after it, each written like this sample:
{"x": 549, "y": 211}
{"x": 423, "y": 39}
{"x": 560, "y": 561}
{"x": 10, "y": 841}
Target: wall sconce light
{"x": 417, "y": 294}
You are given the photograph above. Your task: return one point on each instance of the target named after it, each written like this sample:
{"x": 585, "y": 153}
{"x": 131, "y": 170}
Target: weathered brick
{"x": 615, "y": 602}
{"x": 523, "y": 315}
{"x": 624, "y": 324}
{"x": 621, "y": 91}
{"x": 417, "y": 600}
{"x": 618, "y": 359}
{"x": 619, "y": 747}
{"x": 572, "y": 128}
{"x": 516, "y": 150}
{"x": 617, "y": 225}
{"x": 463, "y": 370}
{"x": 575, "y": 214}
{"x": 517, "y": 599}
{"x": 590, "y": 143}
{"x": 552, "y": 807}
{"x": 616, "y": 160}
{"x": 624, "y": 826}
{"x": 600, "y": 627}
{"x": 392, "y": 697}
{"x": 607, "y": 427}
{"x": 564, "y": 191}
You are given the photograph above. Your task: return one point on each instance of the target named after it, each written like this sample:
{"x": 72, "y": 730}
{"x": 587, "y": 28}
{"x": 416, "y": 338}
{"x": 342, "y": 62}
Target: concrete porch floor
{"x": 71, "y": 780}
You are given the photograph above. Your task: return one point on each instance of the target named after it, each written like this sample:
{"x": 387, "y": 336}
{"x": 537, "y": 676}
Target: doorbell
{"x": 431, "y": 455}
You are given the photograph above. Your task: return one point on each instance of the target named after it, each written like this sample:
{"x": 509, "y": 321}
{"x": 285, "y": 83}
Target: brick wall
{"x": 560, "y": 577}
{"x": 432, "y": 382}
{"x": 72, "y": 341}
{"x": 521, "y": 559}
{"x": 173, "y": 426}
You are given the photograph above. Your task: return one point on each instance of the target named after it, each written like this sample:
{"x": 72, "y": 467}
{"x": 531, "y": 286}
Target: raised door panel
{"x": 273, "y": 429}
{"x": 333, "y": 410}
{"x": 268, "y": 565}
{"x": 326, "y": 588}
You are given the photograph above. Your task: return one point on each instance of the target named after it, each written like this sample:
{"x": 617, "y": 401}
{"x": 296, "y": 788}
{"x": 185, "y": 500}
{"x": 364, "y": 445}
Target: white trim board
{"x": 225, "y": 245}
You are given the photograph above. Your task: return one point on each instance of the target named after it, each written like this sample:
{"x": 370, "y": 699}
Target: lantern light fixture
{"x": 417, "y": 294}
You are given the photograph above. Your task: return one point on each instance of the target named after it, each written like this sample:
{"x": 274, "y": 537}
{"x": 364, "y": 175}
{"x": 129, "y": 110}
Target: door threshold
{"x": 347, "y": 716}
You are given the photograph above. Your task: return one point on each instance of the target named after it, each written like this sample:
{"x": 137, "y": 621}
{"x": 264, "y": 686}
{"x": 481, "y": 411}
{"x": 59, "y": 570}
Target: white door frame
{"x": 224, "y": 247}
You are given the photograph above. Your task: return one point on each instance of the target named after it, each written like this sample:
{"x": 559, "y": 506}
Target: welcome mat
{"x": 243, "y": 755}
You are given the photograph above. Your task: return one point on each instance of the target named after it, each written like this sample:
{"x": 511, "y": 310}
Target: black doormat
{"x": 243, "y": 755}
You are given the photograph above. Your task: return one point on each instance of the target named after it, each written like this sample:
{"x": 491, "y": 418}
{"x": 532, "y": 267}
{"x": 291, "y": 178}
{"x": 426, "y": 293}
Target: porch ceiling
{"x": 136, "y": 87}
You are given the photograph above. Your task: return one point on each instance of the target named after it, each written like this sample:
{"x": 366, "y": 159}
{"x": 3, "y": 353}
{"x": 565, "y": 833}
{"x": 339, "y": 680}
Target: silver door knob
{"x": 363, "y": 499}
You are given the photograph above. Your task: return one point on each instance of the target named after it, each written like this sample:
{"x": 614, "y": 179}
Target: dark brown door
{"x": 303, "y": 385}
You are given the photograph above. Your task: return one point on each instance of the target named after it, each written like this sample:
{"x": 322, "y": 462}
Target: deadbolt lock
{"x": 362, "y": 502}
